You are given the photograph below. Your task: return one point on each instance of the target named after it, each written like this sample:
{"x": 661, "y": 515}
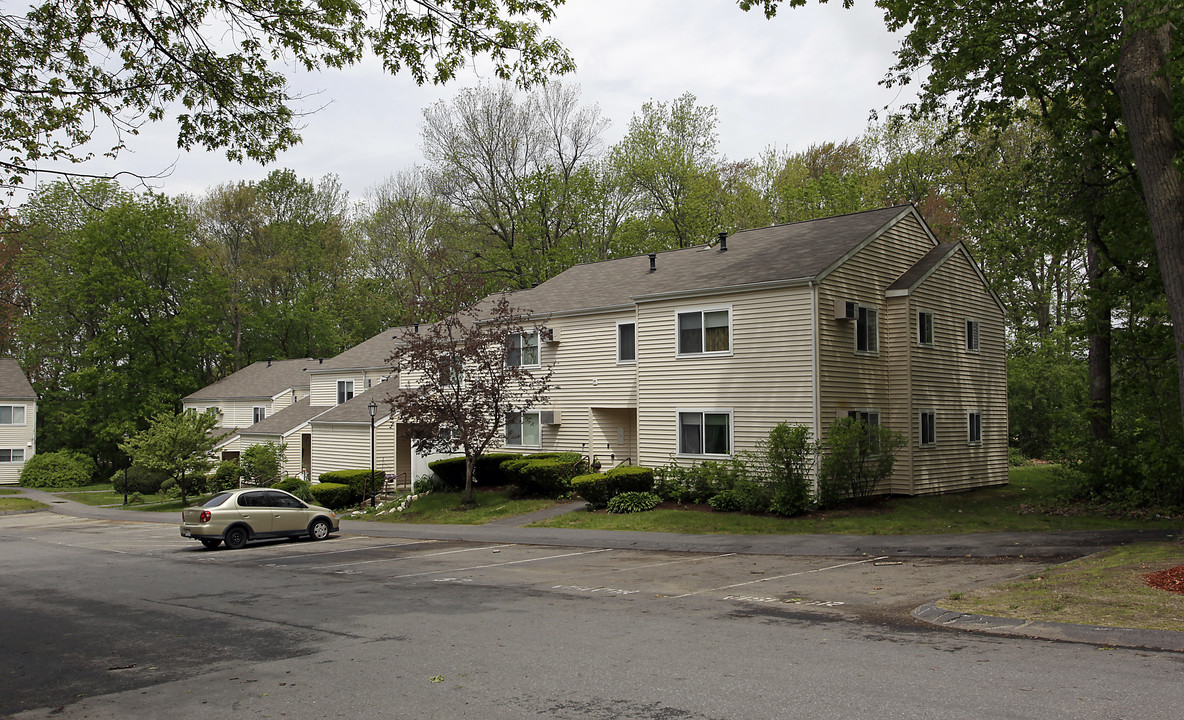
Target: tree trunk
{"x": 1098, "y": 319}
{"x": 1145, "y": 91}
{"x": 470, "y": 461}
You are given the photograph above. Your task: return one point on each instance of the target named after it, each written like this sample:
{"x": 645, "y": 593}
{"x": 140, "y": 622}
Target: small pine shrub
{"x": 334, "y": 496}
{"x": 633, "y": 502}
{"x": 61, "y": 469}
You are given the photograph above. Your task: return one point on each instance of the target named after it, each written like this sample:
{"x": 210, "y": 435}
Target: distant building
{"x": 18, "y": 420}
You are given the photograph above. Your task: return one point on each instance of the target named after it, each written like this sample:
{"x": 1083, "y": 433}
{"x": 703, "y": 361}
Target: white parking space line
{"x": 314, "y": 553}
{"x": 780, "y": 577}
{"x": 502, "y": 564}
{"x": 630, "y": 568}
{"x": 411, "y": 557}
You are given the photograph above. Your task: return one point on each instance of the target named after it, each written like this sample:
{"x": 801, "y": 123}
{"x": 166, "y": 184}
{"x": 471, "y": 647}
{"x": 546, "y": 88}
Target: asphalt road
{"x": 107, "y": 619}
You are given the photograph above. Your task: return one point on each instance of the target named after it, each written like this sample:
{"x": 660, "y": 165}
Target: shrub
{"x": 857, "y": 458}
{"x": 592, "y": 487}
{"x": 633, "y": 502}
{"x": 334, "y": 496}
{"x": 599, "y": 488}
{"x": 139, "y": 480}
{"x": 61, "y": 469}
{"x": 357, "y": 480}
{"x": 300, "y": 488}
{"x": 543, "y": 474}
{"x": 260, "y": 464}
{"x": 745, "y": 496}
{"x": 699, "y": 483}
{"x": 225, "y": 477}
{"x": 487, "y": 471}
{"x": 788, "y": 457}
{"x": 425, "y": 484}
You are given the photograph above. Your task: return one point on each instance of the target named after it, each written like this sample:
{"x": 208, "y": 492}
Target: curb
{"x": 1103, "y": 635}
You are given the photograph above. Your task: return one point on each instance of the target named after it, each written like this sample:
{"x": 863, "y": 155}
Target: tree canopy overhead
{"x": 67, "y": 67}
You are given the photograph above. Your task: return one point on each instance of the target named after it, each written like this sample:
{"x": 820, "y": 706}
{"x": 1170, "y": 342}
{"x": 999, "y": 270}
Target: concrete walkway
{"x": 1051, "y": 545}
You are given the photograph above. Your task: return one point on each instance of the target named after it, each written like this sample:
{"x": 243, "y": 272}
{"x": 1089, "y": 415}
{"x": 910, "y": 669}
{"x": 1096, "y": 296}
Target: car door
{"x": 254, "y": 510}
{"x": 288, "y": 514}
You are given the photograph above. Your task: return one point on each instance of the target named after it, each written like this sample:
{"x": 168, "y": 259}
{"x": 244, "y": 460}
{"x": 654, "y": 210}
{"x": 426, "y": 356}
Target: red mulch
{"x": 1171, "y": 579}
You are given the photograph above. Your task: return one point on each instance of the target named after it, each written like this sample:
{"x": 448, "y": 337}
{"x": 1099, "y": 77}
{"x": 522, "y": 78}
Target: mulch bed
{"x": 1171, "y": 579}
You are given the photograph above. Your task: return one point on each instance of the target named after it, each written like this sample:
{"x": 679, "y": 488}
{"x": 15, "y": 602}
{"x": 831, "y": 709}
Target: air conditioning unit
{"x": 549, "y": 417}
{"x": 549, "y": 335}
{"x": 844, "y": 310}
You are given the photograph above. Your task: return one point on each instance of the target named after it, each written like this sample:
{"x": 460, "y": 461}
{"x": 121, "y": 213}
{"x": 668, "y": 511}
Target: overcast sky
{"x": 809, "y": 75}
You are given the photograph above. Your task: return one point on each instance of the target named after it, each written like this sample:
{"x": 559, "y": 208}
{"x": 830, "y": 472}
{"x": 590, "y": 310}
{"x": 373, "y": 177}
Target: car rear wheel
{"x": 210, "y": 543}
{"x": 236, "y": 537}
{"x": 319, "y": 530}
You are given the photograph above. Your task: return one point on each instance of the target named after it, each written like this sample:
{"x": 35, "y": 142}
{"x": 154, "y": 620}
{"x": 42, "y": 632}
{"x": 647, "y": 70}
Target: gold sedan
{"x": 238, "y": 516}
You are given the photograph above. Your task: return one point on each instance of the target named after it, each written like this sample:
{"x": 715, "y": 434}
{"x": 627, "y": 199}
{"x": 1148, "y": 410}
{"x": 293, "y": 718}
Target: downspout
{"x": 814, "y": 378}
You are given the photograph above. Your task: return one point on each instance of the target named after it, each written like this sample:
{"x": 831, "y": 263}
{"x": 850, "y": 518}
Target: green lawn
{"x": 105, "y": 494}
{"x": 12, "y": 504}
{"x": 9, "y": 491}
{"x": 1104, "y": 589}
{"x": 1019, "y": 506}
{"x": 445, "y": 509}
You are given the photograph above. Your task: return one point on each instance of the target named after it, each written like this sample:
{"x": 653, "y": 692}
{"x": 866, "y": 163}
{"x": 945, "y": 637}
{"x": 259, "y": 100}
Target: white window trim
{"x": 855, "y": 328}
{"x": 705, "y": 411}
{"x": 969, "y": 438}
{"x": 506, "y": 440}
{"x": 678, "y": 353}
{"x": 341, "y": 384}
{"x": 932, "y": 328}
{"x": 618, "y": 342}
{"x": 867, "y": 411}
{"x": 978, "y": 336}
{"x": 538, "y": 347}
{"x": 920, "y": 439}
{"x": 259, "y": 413}
{"x": 21, "y": 450}
{"x": 25, "y": 413}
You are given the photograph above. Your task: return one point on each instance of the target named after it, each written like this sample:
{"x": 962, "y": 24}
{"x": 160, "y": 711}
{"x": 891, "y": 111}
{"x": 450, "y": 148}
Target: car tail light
{"x": 205, "y": 516}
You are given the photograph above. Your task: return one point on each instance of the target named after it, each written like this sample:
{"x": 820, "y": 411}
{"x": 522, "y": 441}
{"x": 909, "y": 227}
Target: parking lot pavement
{"x": 830, "y": 584}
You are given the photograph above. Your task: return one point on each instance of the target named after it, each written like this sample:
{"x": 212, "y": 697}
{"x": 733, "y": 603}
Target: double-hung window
{"x": 626, "y": 342}
{"x": 258, "y": 413}
{"x": 704, "y": 332}
{"x": 449, "y": 367}
{"x": 12, "y": 455}
{"x": 925, "y": 328}
{"x": 522, "y": 349}
{"x": 704, "y": 433}
{"x": 522, "y": 429}
{"x": 928, "y": 434}
{"x": 974, "y": 427}
{"x": 345, "y": 391}
{"x": 972, "y": 335}
{"x": 12, "y": 414}
{"x": 870, "y": 418}
{"x": 867, "y": 330}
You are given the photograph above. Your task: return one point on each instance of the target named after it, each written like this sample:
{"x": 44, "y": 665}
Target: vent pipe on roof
{"x": 320, "y": 361}
{"x": 268, "y": 362}
{"x": 723, "y": 242}
{"x": 653, "y": 262}
{"x": 416, "y": 330}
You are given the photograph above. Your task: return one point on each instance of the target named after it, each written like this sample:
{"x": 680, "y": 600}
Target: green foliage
{"x": 358, "y": 481}
{"x": 1128, "y": 473}
{"x": 744, "y": 496}
{"x": 633, "y": 502}
{"x": 260, "y": 464}
{"x": 226, "y": 476}
{"x": 334, "y": 496}
{"x": 787, "y": 456}
{"x": 487, "y": 470}
{"x": 177, "y": 445}
{"x": 599, "y": 488}
{"x": 62, "y": 469}
{"x": 300, "y": 488}
{"x": 857, "y": 457}
{"x": 139, "y": 480}
{"x": 697, "y": 484}
{"x": 543, "y": 474}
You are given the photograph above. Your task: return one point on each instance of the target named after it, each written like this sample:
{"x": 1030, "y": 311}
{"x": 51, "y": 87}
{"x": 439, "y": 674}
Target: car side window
{"x": 277, "y": 499}
{"x": 252, "y": 500}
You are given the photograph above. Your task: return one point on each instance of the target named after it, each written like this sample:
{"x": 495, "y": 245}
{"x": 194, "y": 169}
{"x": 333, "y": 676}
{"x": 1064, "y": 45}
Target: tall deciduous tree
{"x": 67, "y": 67}
{"x": 462, "y": 384}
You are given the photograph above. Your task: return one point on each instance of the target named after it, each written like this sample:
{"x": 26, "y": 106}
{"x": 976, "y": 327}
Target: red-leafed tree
{"x": 463, "y": 375}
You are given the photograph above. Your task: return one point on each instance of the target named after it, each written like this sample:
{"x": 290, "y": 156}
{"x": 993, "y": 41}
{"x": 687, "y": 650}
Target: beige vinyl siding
{"x": 341, "y": 446}
{"x": 898, "y": 412}
{"x": 953, "y": 382}
{"x": 323, "y": 385}
{"x": 18, "y": 437}
{"x": 850, "y": 380}
{"x": 291, "y": 463}
{"x": 235, "y": 413}
{"x": 765, "y": 379}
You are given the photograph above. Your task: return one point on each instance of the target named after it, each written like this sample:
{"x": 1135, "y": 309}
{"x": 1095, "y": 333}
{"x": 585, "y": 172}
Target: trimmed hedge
{"x": 334, "y": 496}
{"x": 355, "y": 479}
{"x": 61, "y": 469}
{"x": 487, "y": 472}
{"x": 599, "y": 488}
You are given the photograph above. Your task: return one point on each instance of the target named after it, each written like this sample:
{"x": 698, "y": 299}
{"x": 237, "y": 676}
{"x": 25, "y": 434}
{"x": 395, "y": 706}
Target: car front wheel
{"x": 236, "y": 537}
{"x": 319, "y": 530}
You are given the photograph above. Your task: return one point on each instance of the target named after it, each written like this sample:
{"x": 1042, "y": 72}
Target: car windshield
{"x": 216, "y": 500}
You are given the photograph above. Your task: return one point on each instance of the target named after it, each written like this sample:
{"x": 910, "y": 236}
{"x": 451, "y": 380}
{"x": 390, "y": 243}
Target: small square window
{"x": 522, "y": 350}
{"x": 974, "y": 427}
{"x": 972, "y": 335}
{"x": 925, "y": 328}
{"x": 522, "y": 430}
{"x": 704, "y": 433}
{"x": 704, "y": 331}
{"x": 928, "y": 427}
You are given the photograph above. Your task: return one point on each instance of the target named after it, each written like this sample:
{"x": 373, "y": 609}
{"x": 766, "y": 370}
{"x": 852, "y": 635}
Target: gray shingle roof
{"x": 263, "y": 379}
{"x": 357, "y": 410}
{"x": 371, "y": 353}
{"x": 285, "y": 420}
{"x": 13, "y": 383}
{"x": 782, "y": 252}
{"x": 918, "y": 271}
